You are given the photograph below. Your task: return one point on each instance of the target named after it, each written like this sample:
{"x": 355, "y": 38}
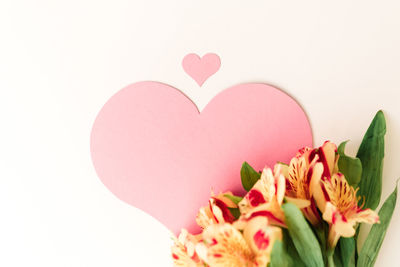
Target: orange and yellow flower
{"x": 341, "y": 210}
{"x": 266, "y": 197}
{"x": 327, "y": 155}
{"x": 224, "y": 245}
{"x": 217, "y": 211}
{"x": 183, "y": 250}
{"x": 302, "y": 175}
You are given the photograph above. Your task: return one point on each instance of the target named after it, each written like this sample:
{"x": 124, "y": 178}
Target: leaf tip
{"x": 380, "y": 116}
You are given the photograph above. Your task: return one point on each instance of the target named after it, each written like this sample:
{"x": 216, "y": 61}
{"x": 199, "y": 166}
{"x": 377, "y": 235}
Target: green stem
{"x": 320, "y": 231}
{"x": 329, "y": 255}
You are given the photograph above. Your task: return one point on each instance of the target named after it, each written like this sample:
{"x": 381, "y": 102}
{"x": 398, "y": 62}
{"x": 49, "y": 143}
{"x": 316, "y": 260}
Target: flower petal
{"x": 183, "y": 250}
{"x": 300, "y": 203}
{"x": 280, "y": 182}
{"x": 339, "y": 225}
{"x": 221, "y": 211}
{"x": 266, "y": 189}
{"x": 366, "y": 216}
{"x": 217, "y": 211}
{"x": 315, "y": 172}
{"x": 205, "y": 217}
{"x": 261, "y": 237}
{"x": 271, "y": 211}
{"x": 327, "y": 155}
{"x": 226, "y": 247}
{"x": 284, "y": 168}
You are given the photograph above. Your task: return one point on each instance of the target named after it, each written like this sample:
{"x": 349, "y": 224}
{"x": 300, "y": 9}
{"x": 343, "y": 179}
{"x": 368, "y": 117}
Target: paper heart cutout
{"x": 153, "y": 149}
{"x": 200, "y": 69}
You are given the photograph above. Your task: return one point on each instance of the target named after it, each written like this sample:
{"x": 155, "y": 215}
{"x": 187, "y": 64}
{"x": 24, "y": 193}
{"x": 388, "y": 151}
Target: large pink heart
{"x": 153, "y": 149}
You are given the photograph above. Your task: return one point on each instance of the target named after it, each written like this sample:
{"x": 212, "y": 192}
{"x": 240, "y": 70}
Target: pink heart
{"x": 200, "y": 69}
{"x": 153, "y": 149}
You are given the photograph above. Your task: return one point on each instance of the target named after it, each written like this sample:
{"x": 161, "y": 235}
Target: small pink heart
{"x": 200, "y": 69}
{"x": 153, "y": 149}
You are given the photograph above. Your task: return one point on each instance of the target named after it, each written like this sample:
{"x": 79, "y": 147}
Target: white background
{"x": 61, "y": 60}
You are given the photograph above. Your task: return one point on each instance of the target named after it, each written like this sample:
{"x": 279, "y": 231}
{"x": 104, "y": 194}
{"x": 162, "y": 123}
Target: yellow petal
{"x": 328, "y": 155}
{"x": 320, "y": 196}
{"x": 284, "y": 168}
{"x": 339, "y": 225}
{"x": 201, "y": 251}
{"x": 227, "y": 247}
{"x": 268, "y": 183}
{"x": 317, "y": 171}
{"x": 300, "y": 203}
{"x": 366, "y": 216}
{"x": 217, "y": 212}
{"x": 271, "y": 211}
{"x": 263, "y": 191}
{"x": 205, "y": 217}
{"x": 183, "y": 252}
{"x": 329, "y": 212}
{"x": 261, "y": 237}
{"x": 281, "y": 187}
{"x": 345, "y": 229}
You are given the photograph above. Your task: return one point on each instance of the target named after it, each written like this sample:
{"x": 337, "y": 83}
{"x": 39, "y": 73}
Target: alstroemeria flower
{"x": 217, "y": 211}
{"x": 224, "y": 245}
{"x": 341, "y": 210}
{"x": 302, "y": 175}
{"x": 269, "y": 189}
{"x": 324, "y": 164}
{"x": 183, "y": 250}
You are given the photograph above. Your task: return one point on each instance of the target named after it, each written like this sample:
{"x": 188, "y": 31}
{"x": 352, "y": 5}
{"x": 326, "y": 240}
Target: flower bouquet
{"x": 305, "y": 213}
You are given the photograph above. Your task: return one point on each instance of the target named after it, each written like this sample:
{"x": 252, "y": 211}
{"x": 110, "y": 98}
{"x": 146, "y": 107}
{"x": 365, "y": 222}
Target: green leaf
{"x": 249, "y": 176}
{"x": 349, "y": 166}
{"x": 235, "y": 199}
{"x": 374, "y": 240}
{"x": 336, "y": 259}
{"x": 235, "y": 212}
{"x": 285, "y": 254}
{"x": 279, "y": 256}
{"x": 303, "y": 237}
{"x": 291, "y": 249}
{"x": 371, "y": 153}
{"x": 347, "y": 248}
